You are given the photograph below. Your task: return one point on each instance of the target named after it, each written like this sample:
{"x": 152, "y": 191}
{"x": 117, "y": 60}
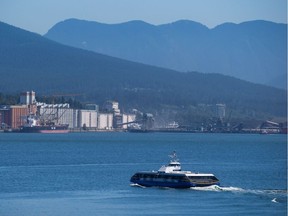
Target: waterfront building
{"x": 17, "y": 116}
{"x": 92, "y": 107}
{"x": 105, "y": 121}
{"x": 127, "y": 119}
{"x": 58, "y": 113}
{"x": 87, "y": 119}
{"x": 28, "y": 98}
{"x": 111, "y": 106}
{"x": 4, "y": 117}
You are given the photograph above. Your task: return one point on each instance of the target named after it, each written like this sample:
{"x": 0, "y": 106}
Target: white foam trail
{"x": 215, "y": 188}
{"x": 280, "y": 194}
{"x": 218, "y": 188}
{"x": 137, "y": 185}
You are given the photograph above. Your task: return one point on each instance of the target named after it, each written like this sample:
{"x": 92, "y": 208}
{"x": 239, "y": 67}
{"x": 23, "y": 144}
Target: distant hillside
{"x": 254, "y": 51}
{"x": 31, "y": 62}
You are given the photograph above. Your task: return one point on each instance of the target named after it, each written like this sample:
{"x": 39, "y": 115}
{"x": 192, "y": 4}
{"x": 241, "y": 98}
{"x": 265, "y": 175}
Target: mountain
{"x": 254, "y": 51}
{"x": 31, "y": 62}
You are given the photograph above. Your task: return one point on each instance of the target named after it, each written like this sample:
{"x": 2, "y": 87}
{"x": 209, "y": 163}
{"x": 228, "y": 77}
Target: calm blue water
{"x": 88, "y": 174}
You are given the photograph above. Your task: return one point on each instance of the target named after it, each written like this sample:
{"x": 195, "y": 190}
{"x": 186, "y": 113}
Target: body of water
{"x": 88, "y": 174}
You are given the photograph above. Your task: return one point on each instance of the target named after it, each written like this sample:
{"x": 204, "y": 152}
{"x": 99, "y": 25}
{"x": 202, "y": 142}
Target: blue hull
{"x": 170, "y": 184}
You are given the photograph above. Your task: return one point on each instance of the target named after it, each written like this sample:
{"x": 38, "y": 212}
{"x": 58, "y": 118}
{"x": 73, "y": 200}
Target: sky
{"x": 40, "y": 15}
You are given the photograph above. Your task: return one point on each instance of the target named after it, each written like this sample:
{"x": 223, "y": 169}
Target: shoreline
{"x": 162, "y": 130}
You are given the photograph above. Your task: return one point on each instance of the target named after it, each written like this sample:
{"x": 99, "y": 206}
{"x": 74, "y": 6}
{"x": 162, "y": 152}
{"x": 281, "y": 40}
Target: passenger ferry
{"x": 172, "y": 176}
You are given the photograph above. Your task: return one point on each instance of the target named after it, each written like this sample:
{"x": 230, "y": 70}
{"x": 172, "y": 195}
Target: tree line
{"x": 14, "y": 99}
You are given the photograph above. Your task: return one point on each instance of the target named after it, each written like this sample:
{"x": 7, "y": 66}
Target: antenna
{"x": 173, "y": 157}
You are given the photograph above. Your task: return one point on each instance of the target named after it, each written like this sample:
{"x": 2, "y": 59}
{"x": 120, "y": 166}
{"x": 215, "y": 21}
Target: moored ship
{"x": 33, "y": 125}
{"x": 172, "y": 176}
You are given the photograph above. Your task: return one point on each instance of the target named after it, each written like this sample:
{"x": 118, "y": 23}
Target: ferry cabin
{"x": 174, "y": 180}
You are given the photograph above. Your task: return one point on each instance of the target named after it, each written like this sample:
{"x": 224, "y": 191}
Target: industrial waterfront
{"x": 109, "y": 118}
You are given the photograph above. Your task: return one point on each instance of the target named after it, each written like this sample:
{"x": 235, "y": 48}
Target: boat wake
{"x": 240, "y": 190}
{"x": 218, "y": 188}
{"x": 137, "y": 185}
{"x": 276, "y": 196}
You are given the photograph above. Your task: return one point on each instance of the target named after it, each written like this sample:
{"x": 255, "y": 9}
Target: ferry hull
{"x": 172, "y": 185}
{"x": 172, "y": 180}
{"x": 162, "y": 184}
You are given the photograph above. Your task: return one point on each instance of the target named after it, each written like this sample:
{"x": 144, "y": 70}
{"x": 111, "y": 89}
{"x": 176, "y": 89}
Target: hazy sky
{"x": 40, "y": 15}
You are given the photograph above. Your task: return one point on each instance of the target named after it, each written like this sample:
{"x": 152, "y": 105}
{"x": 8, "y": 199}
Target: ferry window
{"x": 193, "y": 177}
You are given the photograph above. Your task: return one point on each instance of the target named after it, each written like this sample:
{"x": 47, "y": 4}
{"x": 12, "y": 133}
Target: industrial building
{"x": 28, "y": 98}
{"x": 105, "y": 121}
{"x": 111, "y": 106}
{"x": 58, "y": 113}
{"x": 127, "y": 119}
{"x": 89, "y": 118}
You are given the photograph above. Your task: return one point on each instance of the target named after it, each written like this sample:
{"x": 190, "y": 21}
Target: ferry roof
{"x": 187, "y": 173}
